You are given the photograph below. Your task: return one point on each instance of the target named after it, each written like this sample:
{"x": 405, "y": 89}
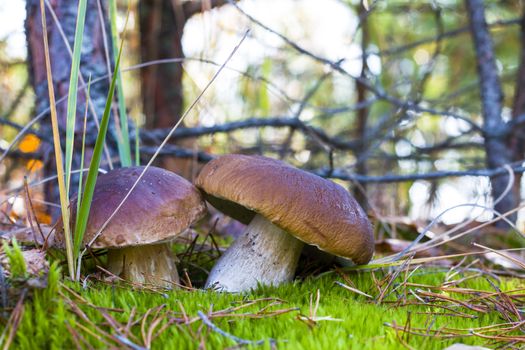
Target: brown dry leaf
{"x": 26, "y": 235}
{"x": 41, "y": 213}
{"x": 35, "y": 259}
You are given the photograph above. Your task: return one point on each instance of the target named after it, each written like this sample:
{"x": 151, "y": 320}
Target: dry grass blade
{"x": 394, "y": 275}
{"x": 78, "y": 338}
{"x": 13, "y": 322}
{"x": 153, "y": 326}
{"x": 32, "y": 215}
{"x": 124, "y": 338}
{"x": 355, "y": 290}
{"x": 92, "y": 328}
{"x": 501, "y": 253}
{"x": 64, "y": 196}
{"x": 312, "y": 318}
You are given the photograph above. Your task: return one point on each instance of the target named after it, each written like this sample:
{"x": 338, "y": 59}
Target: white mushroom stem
{"x": 152, "y": 264}
{"x": 263, "y": 254}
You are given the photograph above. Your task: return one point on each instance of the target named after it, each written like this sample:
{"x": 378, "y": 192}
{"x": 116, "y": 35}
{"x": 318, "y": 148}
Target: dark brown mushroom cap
{"x": 315, "y": 210}
{"x": 161, "y": 206}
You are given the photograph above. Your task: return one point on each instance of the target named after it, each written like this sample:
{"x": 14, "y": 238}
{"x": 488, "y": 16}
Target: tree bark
{"x": 161, "y": 27}
{"x": 93, "y": 62}
{"x": 496, "y": 147}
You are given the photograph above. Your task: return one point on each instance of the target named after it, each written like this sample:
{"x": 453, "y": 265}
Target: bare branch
{"x": 5, "y": 121}
{"x": 177, "y": 152}
{"x": 347, "y": 176}
{"x": 377, "y": 91}
{"x": 451, "y": 33}
{"x": 343, "y": 174}
{"x": 278, "y": 122}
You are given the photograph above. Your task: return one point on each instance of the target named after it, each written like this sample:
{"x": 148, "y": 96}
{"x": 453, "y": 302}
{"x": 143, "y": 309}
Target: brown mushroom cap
{"x": 161, "y": 206}
{"x": 315, "y": 210}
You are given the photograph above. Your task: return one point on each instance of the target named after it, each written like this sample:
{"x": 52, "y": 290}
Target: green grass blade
{"x": 124, "y": 146}
{"x": 73, "y": 89}
{"x": 137, "y": 144}
{"x": 79, "y": 192}
{"x": 91, "y": 179}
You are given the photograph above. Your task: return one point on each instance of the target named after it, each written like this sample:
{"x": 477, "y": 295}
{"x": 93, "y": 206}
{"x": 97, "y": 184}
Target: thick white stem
{"x": 153, "y": 264}
{"x": 263, "y": 254}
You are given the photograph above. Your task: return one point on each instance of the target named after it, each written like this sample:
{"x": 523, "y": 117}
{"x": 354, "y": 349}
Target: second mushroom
{"x": 284, "y": 207}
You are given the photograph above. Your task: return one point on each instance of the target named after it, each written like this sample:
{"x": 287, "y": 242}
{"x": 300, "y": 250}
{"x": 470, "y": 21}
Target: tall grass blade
{"x": 64, "y": 196}
{"x": 79, "y": 192}
{"x": 91, "y": 179}
{"x": 124, "y": 146}
{"x": 73, "y": 88}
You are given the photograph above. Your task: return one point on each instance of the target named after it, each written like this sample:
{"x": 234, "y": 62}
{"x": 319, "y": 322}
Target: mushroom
{"x": 283, "y": 207}
{"x": 161, "y": 207}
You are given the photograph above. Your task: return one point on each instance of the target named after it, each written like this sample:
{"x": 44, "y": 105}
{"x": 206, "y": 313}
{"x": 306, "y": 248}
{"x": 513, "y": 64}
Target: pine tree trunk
{"x": 497, "y": 148}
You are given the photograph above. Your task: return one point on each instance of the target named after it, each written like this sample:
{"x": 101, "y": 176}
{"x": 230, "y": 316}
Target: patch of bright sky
{"x": 327, "y": 28}
{"x": 12, "y": 16}
{"x": 454, "y": 127}
{"x": 456, "y": 191}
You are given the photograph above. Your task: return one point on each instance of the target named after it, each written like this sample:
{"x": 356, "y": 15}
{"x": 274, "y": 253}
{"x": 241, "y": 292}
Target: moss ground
{"x": 104, "y": 316}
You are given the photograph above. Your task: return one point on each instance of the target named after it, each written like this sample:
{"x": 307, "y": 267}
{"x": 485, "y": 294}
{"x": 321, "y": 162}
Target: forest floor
{"x": 409, "y": 306}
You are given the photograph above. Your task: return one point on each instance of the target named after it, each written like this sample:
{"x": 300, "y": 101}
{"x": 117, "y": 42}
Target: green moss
{"x": 15, "y": 258}
{"x": 358, "y": 322}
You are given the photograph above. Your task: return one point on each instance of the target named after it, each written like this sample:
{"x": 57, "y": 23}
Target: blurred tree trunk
{"x": 360, "y": 191}
{"x": 518, "y": 110}
{"x": 93, "y": 62}
{"x": 161, "y": 27}
{"x": 161, "y": 24}
{"x": 497, "y": 147}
